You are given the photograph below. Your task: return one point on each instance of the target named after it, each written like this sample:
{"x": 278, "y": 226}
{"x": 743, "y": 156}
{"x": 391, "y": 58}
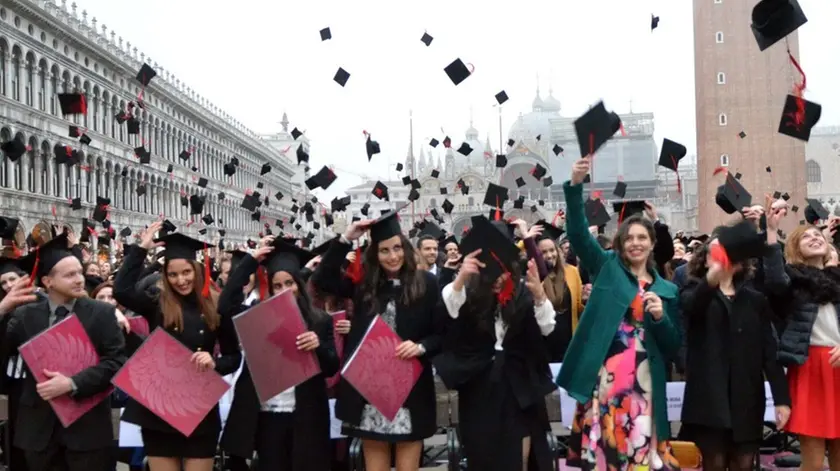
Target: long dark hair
{"x": 623, "y": 233}
{"x": 412, "y": 281}
{"x": 170, "y": 301}
{"x": 310, "y": 313}
{"x": 481, "y": 303}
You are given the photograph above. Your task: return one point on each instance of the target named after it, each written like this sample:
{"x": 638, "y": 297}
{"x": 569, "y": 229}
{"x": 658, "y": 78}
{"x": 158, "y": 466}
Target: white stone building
{"x": 49, "y": 48}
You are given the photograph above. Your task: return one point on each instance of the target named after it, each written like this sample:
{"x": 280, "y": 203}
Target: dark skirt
{"x": 176, "y": 445}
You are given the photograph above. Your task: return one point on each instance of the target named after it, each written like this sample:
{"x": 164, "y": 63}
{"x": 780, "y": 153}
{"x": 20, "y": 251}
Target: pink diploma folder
{"x": 66, "y": 348}
{"x": 339, "y": 346}
{"x": 268, "y": 333}
{"x": 161, "y": 376}
{"x": 384, "y": 380}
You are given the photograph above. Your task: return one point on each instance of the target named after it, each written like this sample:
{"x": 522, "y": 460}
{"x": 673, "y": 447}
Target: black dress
{"x": 301, "y": 443}
{"x": 159, "y": 438}
{"x": 422, "y": 321}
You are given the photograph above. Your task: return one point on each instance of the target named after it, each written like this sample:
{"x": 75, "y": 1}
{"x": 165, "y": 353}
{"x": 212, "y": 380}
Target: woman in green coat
{"x": 615, "y": 365}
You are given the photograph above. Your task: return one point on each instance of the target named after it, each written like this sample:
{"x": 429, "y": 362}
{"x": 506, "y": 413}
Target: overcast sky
{"x": 259, "y": 58}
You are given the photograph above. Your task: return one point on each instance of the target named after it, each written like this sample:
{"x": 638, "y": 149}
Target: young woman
{"x": 498, "y": 361}
{"x": 408, "y": 300}
{"x": 615, "y": 365}
{"x": 564, "y": 289}
{"x": 290, "y": 431}
{"x": 730, "y": 338}
{"x": 807, "y": 293}
{"x": 186, "y": 308}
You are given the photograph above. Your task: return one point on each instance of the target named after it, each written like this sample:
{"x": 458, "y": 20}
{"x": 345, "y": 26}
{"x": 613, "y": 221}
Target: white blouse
{"x": 544, "y": 313}
{"x": 826, "y": 332}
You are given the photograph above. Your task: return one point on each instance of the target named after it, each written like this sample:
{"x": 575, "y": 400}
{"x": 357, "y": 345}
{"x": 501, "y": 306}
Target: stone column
{"x": 83, "y": 182}
{"x": 39, "y": 189}
{"x": 62, "y": 181}
{"x": 36, "y": 87}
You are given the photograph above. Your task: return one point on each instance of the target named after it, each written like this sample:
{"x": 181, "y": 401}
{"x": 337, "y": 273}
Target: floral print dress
{"x": 615, "y": 429}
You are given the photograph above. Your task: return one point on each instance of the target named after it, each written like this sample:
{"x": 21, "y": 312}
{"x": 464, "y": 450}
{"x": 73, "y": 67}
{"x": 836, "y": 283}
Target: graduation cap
{"x": 510, "y": 142}
{"x": 547, "y": 182}
{"x": 625, "y": 209}
{"x": 141, "y": 189}
{"x": 100, "y": 212}
{"x": 266, "y": 168}
{"x": 742, "y": 134}
{"x": 40, "y": 262}
{"x": 538, "y": 171}
{"x": 435, "y": 173}
{"x": 596, "y": 213}
{"x": 185, "y": 201}
{"x": 415, "y": 184}
{"x": 399, "y": 167}
{"x": 8, "y": 227}
{"x": 9, "y": 265}
{"x": 772, "y": 20}
{"x": 501, "y": 161}
{"x": 501, "y": 97}
{"x": 229, "y": 169}
{"x": 447, "y": 206}
{"x": 371, "y": 147}
{"x": 144, "y": 155}
{"x": 498, "y": 252}
{"x": 550, "y": 231}
{"x": 457, "y": 71}
{"x": 741, "y": 242}
{"x": 434, "y": 143}
{"x": 386, "y": 226}
{"x": 256, "y": 216}
{"x": 249, "y": 202}
{"x": 465, "y": 149}
{"x": 431, "y": 229}
{"x": 74, "y": 131}
{"x": 732, "y": 196}
{"x": 302, "y": 155}
{"x": 133, "y": 126}
{"x": 14, "y": 149}
{"x": 181, "y": 247}
{"x": 202, "y": 182}
{"x": 167, "y": 227}
{"x": 427, "y": 39}
{"x": 84, "y": 139}
{"x": 76, "y": 204}
{"x": 406, "y": 180}
{"x": 325, "y": 34}
{"x": 496, "y": 195}
{"x": 620, "y": 189}
{"x": 208, "y": 219}
{"x": 341, "y": 77}
{"x": 797, "y": 123}
{"x": 519, "y": 203}
{"x": 323, "y": 179}
{"x": 72, "y": 103}
{"x": 520, "y": 182}
{"x": 380, "y": 191}
{"x": 654, "y": 22}
{"x": 145, "y": 75}
{"x": 170, "y": 168}
{"x": 286, "y": 257}
{"x": 815, "y": 211}
{"x": 125, "y": 232}
{"x": 670, "y": 156}
{"x": 413, "y": 195}
{"x": 595, "y": 128}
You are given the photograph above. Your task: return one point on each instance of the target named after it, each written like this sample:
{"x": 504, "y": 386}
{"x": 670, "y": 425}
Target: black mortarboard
{"x": 795, "y": 124}
{"x": 427, "y": 39}
{"x": 8, "y": 227}
{"x": 742, "y": 134}
{"x": 74, "y": 131}
{"x": 371, "y": 147}
{"x": 14, "y": 149}
{"x": 519, "y": 203}
{"x": 550, "y": 231}
{"x": 732, "y": 196}
{"x": 256, "y": 216}
{"x": 625, "y": 209}
{"x": 144, "y": 155}
{"x": 249, "y": 202}
{"x": 185, "y": 201}
{"x": 501, "y": 97}
{"x": 202, "y": 182}
{"x": 496, "y": 195}
{"x": 547, "y": 182}
{"x": 415, "y": 184}
{"x": 447, "y": 206}
{"x": 170, "y": 168}
{"x": 302, "y": 155}
{"x": 741, "y": 242}
{"x": 266, "y": 168}
{"x": 386, "y": 226}
{"x": 72, "y": 103}
{"x": 538, "y": 171}
{"x": 341, "y": 76}
{"x": 100, "y": 212}
{"x": 124, "y": 172}
{"x": 323, "y": 179}
{"x": 9, "y": 265}
{"x": 772, "y": 20}
{"x": 457, "y": 71}
{"x": 595, "y": 128}
{"x": 229, "y": 169}
{"x": 40, "y": 262}
{"x": 85, "y": 139}
{"x": 296, "y": 133}
{"x": 435, "y": 173}
{"x": 145, "y": 75}
{"x": 520, "y": 182}
{"x": 202, "y": 231}
{"x": 125, "y": 232}
{"x": 399, "y": 167}
{"x": 104, "y": 241}
{"x": 815, "y": 211}
{"x": 260, "y": 185}
{"x": 185, "y": 155}
{"x": 406, "y": 179}
{"x": 179, "y": 246}
{"x": 325, "y": 34}
{"x": 498, "y": 252}
{"x": 510, "y": 142}
{"x": 501, "y": 161}
{"x": 141, "y": 189}
{"x": 434, "y": 142}
{"x": 654, "y": 22}
{"x": 133, "y": 126}
{"x": 443, "y": 190}
{"x": 539, "y": 136}
{"x": 76, "y": 204}
{"x": 431, "y": 229}
{"x": 620, "y": 189}
{"x": 596, "y": 213}
{"x": 167, "y": 227}
{"x": 465, "y": 149}
{"x": 671, "y": 154}
{"x": 413, "y": 195}
{"x": 340, "y": 204}
{"x": 286, "y": 257}
{"x": 208, "y": 219}
{"x": 380, "y": 191}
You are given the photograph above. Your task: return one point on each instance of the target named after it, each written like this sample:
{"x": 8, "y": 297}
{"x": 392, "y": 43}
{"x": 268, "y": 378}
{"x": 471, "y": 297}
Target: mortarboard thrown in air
{"x": 498, "y": 252}
{"x": 799, "y": 117}
{"x": 8, "y": 227}
{"x": 501, "y": 161}
{"x": 380, "y": 191}
{"x": 496, "y": 195}
{"x": 773, "y": 20}
{"x": 323, "y": 179}
{"x": 341, "y": 77}
{"x": 296, "y": 133}
{"x": 457, "y": 71}
{"x": 427, "y": 39}
{"x": 13, "y": 149}
{"x": 596, "y": 213}
{"x": 538, "y": 171}
{"x": 325, "y": 34}
{"x": 266, "y": 168}
{"x": 302, "y": 154}
{"x": 620, "y": 189}
{"x": 625, "y": 209}
{"x": 815, "y": 211}
{"x": 371, "y": 147}
{"x": 731, "y": 197}
{"x": 670, "y": 156}
{"x": 501, "y": 97}
{"x": 595, "y": 128}
{"x": 72, "y": 103}
{"x": 133, "y": 126}
{"x": 146, "y": 74}
{"x": 447, "y": 206}
{"x": 550, "y": 231}
{"x": 741, "y": 242}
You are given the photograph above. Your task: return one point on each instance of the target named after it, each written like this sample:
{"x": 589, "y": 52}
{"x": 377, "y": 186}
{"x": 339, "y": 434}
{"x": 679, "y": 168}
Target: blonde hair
{"x": 793, "y": 256}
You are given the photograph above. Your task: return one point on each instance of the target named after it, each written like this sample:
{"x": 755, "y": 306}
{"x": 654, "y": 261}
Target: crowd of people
{"x": 486, "y": 315}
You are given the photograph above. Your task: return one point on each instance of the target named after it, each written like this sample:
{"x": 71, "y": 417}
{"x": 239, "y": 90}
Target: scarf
{"x": 815, "y": 285}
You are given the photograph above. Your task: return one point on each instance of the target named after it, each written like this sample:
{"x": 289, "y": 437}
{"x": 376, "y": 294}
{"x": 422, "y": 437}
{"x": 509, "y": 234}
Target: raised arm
{"x": 233, "y": 296}
{"x": 327, "y": 277}
{"x": 126, "y": 290}
{"x": 590, "y": 253}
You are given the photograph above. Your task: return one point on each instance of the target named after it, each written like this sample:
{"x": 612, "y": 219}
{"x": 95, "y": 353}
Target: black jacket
{"x": 422, "y": 322}
{"x": 731, "y": 348}
{"x": 195, "y": 335}
{"x": 37, "y": 424}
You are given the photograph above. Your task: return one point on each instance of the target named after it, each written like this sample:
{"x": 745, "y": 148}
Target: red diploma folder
{"x": 339, "y": 346}
{"x": 161, "y": 377}
{"x": 374, "y": 370}
{"x": 268, "y": 333}
{"x": 66, "y": 348}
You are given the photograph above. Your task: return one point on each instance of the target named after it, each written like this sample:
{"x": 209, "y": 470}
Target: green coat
{"x": 613, "y": 290}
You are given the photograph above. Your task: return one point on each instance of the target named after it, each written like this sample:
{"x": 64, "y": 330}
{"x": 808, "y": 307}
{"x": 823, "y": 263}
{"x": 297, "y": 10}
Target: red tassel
{"x": 556, "y": 216}
{"x": 262, "y": 282}
{"x": 33, "y": 275}
{"x": 719, "y": 170}
{"x": 719, "y": 255}
{"x": 498, "y": 215}
{"x": 354, "y": 271}
{"x": 505, "y": 294}
{"x": 676, "y": 166}
{"x": 16, "y": 251}
{"x": 798, "y": 90}
{"x": 205, "y": 290}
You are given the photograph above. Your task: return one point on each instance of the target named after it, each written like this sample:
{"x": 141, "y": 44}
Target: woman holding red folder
{"x": 290, "y": 431}
{"x": 186, "y": 308}
{"x": 385, "y": 281}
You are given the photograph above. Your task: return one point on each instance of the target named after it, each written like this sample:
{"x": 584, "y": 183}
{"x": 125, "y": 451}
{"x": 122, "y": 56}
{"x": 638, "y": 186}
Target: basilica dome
{"x": 538, "y": 122}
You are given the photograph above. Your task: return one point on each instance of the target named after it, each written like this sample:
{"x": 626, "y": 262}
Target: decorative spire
{"x": 285, "y": 122}
{"x": 409, "y": 158}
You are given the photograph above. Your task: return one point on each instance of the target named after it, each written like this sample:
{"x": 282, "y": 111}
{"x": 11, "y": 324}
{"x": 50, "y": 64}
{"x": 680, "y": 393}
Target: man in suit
{"x": 428, "y": 247}
{"x": 85, "y": 444}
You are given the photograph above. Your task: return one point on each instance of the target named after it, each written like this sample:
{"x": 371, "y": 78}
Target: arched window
{"x": 4, "y": 49}
{"x": 15, "y": 74}
{"x": 53, "y": 90}
{"x": 29, "y": 80}
{"x": 722, "y": 119}
{"x": 724, "y": 160}
{"x": 470, "y": 201}
{"x": 42, "y": 86}
{"x": 813, "y": 174}
{"x": 719, "y": 37}
{"x": 721, "y": 78}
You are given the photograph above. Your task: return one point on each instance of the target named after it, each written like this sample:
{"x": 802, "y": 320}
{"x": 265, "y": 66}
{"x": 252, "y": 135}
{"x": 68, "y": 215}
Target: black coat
{"x": 311, "y": 444}
{"x": 512, "y": 384}
{"x": 195, "y": 335}
{"x": 731, "y": 348}
{"x": 422, "y": 322}
{"x": 36, "y": 423}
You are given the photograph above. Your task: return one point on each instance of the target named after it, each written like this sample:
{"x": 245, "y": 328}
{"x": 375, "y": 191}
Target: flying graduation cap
{"x": 732, "y": 196}
{"x": 13, "y": 149}
{"x": 773, "y": 20}
{"x": 595, "y": 128}
{"x": 670, "y": 156}
{"x": 371, "y": 146}
{"x": 323, "y": 179}
{"x": 457, "y": 71}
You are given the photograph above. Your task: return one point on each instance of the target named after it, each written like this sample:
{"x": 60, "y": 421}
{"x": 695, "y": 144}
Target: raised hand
{"x": 580, "y": 170}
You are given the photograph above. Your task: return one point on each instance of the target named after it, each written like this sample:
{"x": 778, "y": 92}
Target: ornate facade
{"x": 48, "y": 48}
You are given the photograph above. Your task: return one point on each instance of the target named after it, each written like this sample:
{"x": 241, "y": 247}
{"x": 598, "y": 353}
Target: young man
{"x": 428, "y": 247}
{"x": 84, "y": 445}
